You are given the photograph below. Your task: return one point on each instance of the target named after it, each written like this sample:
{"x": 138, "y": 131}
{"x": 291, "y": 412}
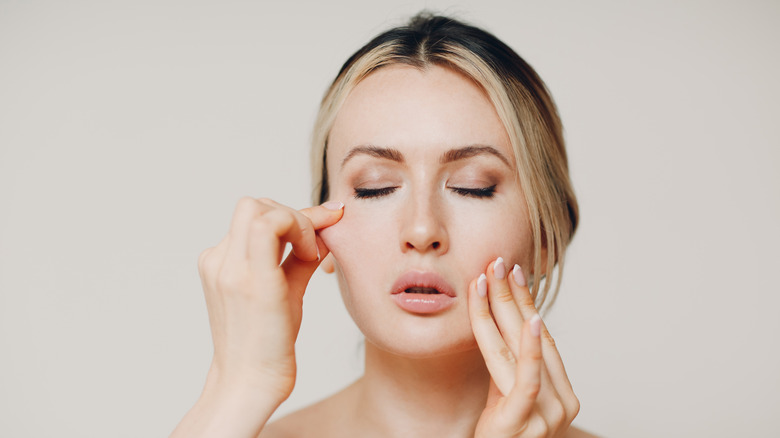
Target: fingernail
{"x": 319, "y": 257}
{"x": 333, "y": 205}
{"x": 536, "y": 325}
{"x": 499, "y": 270}
{"x": 517, "y": 272}
{"x": 482, "y": 285}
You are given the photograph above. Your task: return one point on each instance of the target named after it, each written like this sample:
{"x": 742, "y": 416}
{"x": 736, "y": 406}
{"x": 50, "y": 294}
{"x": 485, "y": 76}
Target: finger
{"x": 510, "y": 323}
{"x": 275, "y": 228}
{"x": 503, "y": 306}
{"x": 308, "y": 220}
{"x": 552, "y": 358}
{"x": 498, "y": 357}
{"x": 246, "y": 210}
{"x": 253, "y": 219}
{"x": 299, "y": 272}
{"x": 528, "y": 380}
{"x": 303, "y": 243}
{"x": 209, "y": 263}
{"x": 324, "y": 215}
{"x": 549, "y": 403}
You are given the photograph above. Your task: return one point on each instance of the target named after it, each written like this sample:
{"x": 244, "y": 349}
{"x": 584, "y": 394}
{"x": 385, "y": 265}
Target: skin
{"x": 484, "y": 367}
{"x": 422, "y": 119}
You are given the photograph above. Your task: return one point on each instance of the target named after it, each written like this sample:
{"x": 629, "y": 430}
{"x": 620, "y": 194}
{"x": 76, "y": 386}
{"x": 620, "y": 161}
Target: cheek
{"x": 490, "y": 233}
{"x": 355, "y": 243}
{"x": 356, "y": 235}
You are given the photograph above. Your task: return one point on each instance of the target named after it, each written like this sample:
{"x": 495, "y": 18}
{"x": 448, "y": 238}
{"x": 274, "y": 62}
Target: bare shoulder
{"x": 326, "y": 418}
{"x": 279, "y": 429}
{"x": 297, "y": 424}
{"x": 575, "y": 432}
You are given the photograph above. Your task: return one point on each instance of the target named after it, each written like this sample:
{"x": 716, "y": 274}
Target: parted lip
{"x": 415, "y": 278}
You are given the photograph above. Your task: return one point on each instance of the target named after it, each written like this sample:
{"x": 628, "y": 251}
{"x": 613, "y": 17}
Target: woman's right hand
{"x": 254, "y": 302}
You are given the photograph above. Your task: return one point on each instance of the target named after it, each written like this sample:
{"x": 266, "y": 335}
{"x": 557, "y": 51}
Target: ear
{"x": 327, "y": 264}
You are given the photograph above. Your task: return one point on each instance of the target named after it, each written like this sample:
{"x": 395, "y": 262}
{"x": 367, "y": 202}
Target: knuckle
{"x": 573, "y": 408}
{"x": 532, "y": 390}
{"x": 557, "y": 413}
{"x": 527, "y": 306}
{"x": 202, "y": 259}
{"x": 246, "y": 204}
{"x": 505, "y": 354}
{"x": 504, "y": 295}
{"x": 306, "y": 227}
{"x": 208, "y": 264}
{"x": 258, "y": 226}
{"x": 484, "y": 313}
{"x": 536, "y": 355}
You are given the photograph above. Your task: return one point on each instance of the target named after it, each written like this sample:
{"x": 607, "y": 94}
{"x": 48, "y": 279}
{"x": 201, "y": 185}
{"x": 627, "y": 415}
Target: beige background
{"x": 129, "y": 129}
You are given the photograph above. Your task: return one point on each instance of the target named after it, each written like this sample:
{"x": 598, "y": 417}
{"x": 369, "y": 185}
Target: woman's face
{"x": 427, "y": 174}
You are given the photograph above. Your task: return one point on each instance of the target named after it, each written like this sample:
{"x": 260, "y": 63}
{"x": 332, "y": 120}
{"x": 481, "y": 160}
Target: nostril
{"x": 434, "y": 245}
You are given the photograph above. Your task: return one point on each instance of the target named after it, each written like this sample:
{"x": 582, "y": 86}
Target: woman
{"x": 445, "y": 207}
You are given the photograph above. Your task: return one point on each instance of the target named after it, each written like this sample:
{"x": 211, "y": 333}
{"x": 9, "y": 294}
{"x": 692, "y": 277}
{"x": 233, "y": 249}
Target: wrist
{"x": 233, "y": 405}
{"x": 228, "y": 411}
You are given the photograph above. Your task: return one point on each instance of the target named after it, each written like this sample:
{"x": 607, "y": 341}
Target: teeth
{"x": 421, "y": 290}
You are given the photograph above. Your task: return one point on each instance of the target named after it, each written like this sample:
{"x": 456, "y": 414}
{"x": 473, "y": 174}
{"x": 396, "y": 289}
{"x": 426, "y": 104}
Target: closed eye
{"x": 482, "y": 192}
{"x": 362, "y": 193}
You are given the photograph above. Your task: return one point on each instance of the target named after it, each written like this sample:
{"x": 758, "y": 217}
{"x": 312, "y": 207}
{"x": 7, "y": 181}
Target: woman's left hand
{"x": 530, "y": 394}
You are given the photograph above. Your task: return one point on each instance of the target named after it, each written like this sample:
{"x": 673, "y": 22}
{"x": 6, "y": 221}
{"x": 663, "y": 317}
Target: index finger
{"x": 552, "y": 357}
{"x": 324, "y": 215}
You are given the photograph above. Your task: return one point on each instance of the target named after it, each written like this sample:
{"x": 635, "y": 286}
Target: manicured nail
{"x": 499, "y": 270}
{"x": 536, "y": 325}
{"x": 319, "y": 257}
{"x": 517, "y": 272}
{"x": 482, "y": 285}
{"x": 333, "y": 205}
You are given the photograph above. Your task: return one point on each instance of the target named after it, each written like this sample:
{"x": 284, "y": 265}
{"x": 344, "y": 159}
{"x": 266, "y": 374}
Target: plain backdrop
{"x": 129, "y": 129}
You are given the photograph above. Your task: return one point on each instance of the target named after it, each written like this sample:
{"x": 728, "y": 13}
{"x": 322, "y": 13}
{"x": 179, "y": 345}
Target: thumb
{"x": 324, "y": 215}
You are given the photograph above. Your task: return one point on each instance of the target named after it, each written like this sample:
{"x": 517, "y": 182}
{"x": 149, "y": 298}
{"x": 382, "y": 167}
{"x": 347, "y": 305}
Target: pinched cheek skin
{"x": 348, "y": 236}
{"x": 337, "y": 238}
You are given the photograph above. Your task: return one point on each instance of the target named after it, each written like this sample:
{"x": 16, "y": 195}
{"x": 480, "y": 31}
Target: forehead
{"x": 417, "y": 111}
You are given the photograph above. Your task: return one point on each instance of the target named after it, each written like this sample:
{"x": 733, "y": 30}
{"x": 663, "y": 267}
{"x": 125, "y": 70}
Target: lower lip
{"x": 423, "y": 303}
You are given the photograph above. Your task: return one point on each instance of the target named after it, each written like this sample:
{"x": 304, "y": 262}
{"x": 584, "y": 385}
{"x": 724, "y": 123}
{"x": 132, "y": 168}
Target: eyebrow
{"x": 448, "y": 157}
{"x": 375, "y": 151}
{"x": 471, "y": 151}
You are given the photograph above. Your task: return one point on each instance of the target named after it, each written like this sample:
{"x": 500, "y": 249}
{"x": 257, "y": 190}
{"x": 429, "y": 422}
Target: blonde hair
{"x": 524, "y": 106}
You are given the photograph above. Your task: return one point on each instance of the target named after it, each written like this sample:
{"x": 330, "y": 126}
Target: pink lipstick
{"x": 423, "y": 292}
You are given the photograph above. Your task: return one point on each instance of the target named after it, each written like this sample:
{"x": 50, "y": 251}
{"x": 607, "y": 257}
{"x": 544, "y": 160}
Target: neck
{"x": 436, "y": 396}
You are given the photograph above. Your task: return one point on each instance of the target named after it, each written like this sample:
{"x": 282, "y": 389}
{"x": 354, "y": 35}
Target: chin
{"x": 420, "y": 337}
{"x": 422, "y": 349}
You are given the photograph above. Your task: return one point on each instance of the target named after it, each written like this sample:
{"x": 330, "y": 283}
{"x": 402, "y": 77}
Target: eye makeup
{"x": 468, "y": 178}
{"x": 365, "y": 193}
{"x": 480, "y": 192}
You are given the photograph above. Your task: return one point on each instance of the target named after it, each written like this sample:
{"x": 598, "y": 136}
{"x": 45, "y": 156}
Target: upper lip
{"x": 415, "y": 278}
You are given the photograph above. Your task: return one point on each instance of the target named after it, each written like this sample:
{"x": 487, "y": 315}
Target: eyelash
{"x": 483, "y": 192}
{"x": 361, "y": 193}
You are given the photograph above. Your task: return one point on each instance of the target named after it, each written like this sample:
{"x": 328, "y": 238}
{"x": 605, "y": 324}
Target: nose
{"x": 423, "y": 227}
